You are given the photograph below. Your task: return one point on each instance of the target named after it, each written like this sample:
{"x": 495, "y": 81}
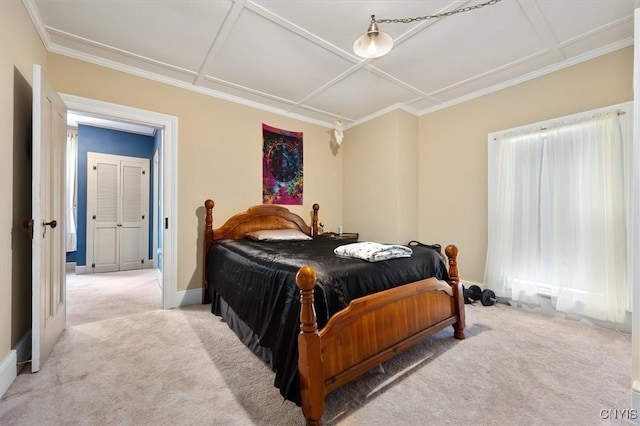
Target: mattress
{"x": 256, "y": 281}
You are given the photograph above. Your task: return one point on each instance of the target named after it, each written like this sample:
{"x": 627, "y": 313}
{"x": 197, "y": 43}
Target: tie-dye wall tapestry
{"x": 281, "y": 166}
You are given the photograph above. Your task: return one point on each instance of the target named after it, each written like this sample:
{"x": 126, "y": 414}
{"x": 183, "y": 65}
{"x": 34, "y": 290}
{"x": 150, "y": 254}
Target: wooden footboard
{"x": 371, "y": 330}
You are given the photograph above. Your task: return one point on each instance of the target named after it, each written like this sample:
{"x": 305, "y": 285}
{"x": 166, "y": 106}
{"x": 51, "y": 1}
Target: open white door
{"x": 48, "y": 272}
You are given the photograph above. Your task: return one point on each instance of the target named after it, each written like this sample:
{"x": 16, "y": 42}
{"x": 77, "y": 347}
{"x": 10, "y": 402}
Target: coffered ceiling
{"x": 295, "y": 57}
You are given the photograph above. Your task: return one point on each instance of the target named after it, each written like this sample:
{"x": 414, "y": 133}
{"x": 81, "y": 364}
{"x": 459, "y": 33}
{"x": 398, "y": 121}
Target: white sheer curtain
{"x": 557, "y": 218}
{"x": 588, "y": 218}
{"x": 71, "y": 197}
{"x": 514, "y": 252}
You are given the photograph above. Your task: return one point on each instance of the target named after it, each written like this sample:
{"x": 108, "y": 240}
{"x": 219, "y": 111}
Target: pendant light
{"x": 376, "y": 43}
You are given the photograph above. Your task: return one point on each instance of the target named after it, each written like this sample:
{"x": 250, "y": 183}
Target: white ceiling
{"x": 295, "y": 57}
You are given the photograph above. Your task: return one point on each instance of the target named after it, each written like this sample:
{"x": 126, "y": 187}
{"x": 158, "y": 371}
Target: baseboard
{"x": 82, "y": 269}
{"x": 189, "y": 297}
{"x": 8, "y": 371}
{"x": 70, "y": 267}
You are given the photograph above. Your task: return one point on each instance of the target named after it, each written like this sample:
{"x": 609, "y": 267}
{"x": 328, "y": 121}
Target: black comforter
{"x": 257, "y": 281}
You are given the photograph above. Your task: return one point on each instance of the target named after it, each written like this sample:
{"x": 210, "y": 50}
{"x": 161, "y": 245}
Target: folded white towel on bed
{"x": 373, "y": 252}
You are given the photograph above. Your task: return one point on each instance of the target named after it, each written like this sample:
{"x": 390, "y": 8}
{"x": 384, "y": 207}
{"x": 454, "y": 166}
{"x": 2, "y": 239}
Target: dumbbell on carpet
{"x": 471, "y": 294}
{"x": 474, "y": 293}
{"x": 488, "y": 298}
{"x": 467, "y": 296}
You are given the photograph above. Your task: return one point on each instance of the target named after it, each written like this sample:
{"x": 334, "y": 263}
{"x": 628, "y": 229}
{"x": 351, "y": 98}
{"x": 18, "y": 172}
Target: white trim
{"x": 189, "y": 297}
{"x": 170, "y": 181}
{"x": 198, "y": 77}
{"x": 8, "y": 371}
{"x": 635, "y": 234}
{"x": 154, "y": 225}
{"x": 189, "y": 86}
{"x": 532, "y": 75}
{"x": 79, "y": 270}
{"x": 82, "y": 270}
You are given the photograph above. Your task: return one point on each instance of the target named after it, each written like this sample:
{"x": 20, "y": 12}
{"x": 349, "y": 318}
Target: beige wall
{"x": 396, "y": 178}
{"x": 380, "y": 186}
{"x": 20, "y": 48}
{"x": 453, "y": 146}
{"x": 219, "y": 152}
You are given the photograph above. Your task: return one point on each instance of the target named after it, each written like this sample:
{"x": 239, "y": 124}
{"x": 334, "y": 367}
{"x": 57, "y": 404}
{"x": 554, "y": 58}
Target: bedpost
{"x": 454, "y": 281}
{"x": 314, "y": 220}
{"x": 208, "y": 240}
{"x": 309, "y": 355}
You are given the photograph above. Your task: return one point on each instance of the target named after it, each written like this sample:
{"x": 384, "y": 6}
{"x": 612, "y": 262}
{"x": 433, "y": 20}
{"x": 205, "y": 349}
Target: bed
{"x": 317, "y": 319}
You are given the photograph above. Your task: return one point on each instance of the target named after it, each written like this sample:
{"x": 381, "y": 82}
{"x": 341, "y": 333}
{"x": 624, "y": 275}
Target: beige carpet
{"x": 185, "y": 367}
{"x": 96, "y": 297}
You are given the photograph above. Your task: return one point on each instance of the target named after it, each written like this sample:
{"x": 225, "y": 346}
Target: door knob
{"x": 52, "y": 224}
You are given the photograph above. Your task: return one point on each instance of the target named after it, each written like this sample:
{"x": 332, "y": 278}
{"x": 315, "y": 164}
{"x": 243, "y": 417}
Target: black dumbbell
{"x": 468, "y": 296}
{"x": 488, "y": 297}
{"x": 476, "y": 292}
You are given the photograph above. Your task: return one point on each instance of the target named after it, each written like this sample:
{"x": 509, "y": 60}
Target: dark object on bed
{"x": 321, "y": 320}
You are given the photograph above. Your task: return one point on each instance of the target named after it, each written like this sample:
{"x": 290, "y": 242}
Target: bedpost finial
{"x": 451, "y": 251}
{"x": 209, "y": 204}
{"x": 306, "y": 278}
{"x": 316, "y": 207}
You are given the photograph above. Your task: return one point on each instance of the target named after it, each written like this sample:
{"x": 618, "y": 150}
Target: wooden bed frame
{"x": 359, "y": 337}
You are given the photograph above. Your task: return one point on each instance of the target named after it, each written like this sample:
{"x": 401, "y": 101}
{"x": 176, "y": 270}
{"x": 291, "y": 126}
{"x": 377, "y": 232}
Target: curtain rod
{"x": 620, "y": 112}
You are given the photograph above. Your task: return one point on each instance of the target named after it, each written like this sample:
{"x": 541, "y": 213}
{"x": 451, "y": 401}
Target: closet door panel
{"x": 106, "y": 250}
{"x": 133, "y": 215}
{"x": 130, "y": 253}
{"x": 105, "y": 217}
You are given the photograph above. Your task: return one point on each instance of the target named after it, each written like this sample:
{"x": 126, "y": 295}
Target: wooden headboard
{"x": 256, "y": 218}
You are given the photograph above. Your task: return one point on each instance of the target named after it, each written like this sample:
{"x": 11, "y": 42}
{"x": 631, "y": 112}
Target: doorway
{"x": 167, "y": 177}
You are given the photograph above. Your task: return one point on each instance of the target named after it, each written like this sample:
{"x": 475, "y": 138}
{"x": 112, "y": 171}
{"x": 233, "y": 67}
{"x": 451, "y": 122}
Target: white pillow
{"x": 279, "y": 235}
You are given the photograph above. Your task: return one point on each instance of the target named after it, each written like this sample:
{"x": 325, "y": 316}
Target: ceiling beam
{"x": 227, "y": 26}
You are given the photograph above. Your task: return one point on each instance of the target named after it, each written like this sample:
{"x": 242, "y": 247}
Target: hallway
{"x": 96, "y": 297}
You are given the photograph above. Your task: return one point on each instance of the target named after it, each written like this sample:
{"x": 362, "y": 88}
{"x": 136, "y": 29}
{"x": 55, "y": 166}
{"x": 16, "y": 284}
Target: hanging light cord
{"x": 436, "y": 16}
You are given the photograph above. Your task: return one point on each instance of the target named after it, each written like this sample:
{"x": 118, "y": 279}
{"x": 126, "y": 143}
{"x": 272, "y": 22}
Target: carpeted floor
{"x": 185, "y": 367}
{"x": 96, "y": 297}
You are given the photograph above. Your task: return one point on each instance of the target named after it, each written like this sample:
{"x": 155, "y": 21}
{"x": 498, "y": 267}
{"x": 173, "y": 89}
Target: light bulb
{"x": 373, "y": 44}
{"x": 372, "y": 49}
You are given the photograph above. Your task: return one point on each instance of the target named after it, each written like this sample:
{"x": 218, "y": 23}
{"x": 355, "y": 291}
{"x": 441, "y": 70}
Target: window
{"x": 559, "y": 216}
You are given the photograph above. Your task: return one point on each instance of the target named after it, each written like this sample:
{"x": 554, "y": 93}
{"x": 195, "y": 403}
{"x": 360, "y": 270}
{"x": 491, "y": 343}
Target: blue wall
{"x": 106, "y": 141}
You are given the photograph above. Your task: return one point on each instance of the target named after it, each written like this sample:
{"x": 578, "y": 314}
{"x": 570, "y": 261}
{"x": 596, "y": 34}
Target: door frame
{"x": 169, "y": 124}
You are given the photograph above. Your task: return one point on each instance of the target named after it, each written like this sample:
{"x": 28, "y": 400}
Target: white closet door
{"x": 117, "y": 210}
{"x": 132, "y": 222}
{"x": 106, "y": 244}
